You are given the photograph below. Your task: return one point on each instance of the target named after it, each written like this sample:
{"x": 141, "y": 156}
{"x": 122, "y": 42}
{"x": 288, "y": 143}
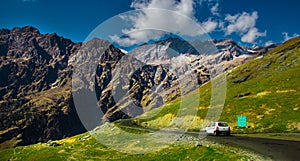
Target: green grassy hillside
{"x": 85, "y": 147}
{"x": 266, "y": 90}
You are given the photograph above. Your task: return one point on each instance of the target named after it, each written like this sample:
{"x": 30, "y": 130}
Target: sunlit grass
{"x": 265, "y": 90}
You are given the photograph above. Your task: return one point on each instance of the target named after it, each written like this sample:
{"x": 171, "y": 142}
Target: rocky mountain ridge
{"x": 225, "y": 53}
{"x": 38, "y": 89}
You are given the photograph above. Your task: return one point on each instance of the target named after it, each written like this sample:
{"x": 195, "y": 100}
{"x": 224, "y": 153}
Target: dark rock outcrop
{"x": 35, "y": 90}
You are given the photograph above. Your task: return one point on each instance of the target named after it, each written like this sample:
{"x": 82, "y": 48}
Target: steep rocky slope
{"x": 47, "y": 80}
{"x": 35, "y": 99}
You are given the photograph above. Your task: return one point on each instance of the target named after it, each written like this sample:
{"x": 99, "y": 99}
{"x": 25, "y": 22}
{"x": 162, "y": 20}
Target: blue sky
{"x": 246, "y": 21}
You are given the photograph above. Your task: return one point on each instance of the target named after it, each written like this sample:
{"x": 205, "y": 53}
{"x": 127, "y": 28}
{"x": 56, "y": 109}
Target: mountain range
{"x": 44, "y": 77}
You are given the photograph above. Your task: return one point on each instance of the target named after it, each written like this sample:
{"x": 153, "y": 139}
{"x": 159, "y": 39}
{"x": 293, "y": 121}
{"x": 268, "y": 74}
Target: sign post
{"x": 242, "y": 121}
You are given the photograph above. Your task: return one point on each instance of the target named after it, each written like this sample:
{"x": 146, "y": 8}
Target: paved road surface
{"x": 282, "y": 150}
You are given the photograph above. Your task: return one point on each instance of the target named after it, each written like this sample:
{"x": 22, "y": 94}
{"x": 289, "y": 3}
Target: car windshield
{"x": 222, "y": 124}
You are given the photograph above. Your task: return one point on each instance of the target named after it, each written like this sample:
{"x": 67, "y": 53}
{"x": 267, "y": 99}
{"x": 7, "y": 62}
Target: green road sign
{"x": 242, "y": 121}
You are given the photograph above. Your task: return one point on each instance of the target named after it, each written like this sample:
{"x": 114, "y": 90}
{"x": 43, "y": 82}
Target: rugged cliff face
{"x": 125, "y": 86}
{"x": 52, "y": 88}
{"x": 35, "y": 90}
{"x": 36, "y": 99}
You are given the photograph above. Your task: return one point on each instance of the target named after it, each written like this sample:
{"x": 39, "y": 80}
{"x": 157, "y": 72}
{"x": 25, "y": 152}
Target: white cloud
{"x": 252, "y": 34}
{"x": 215, "y": 9}
{"x": 287, "y": 37}
{"x": 269, "y": 43}
{"x": 122, "y": 41}
{"x": 167, "y": 15}
{"x": 209, "y": 25}
{"x": 244, "y": 25}
{"x": 241, "y": 23}
{"x": 205, "y": 1}
{"x": 178, "y": 17}
{"x": 231, "y": 18}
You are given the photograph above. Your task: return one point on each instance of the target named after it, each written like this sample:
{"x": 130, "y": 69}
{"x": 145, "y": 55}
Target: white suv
{"x": 217, "y": 128}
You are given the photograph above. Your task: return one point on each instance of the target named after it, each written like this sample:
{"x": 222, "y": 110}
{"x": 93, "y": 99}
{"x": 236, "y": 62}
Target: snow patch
{"x": 124, "y": 51}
